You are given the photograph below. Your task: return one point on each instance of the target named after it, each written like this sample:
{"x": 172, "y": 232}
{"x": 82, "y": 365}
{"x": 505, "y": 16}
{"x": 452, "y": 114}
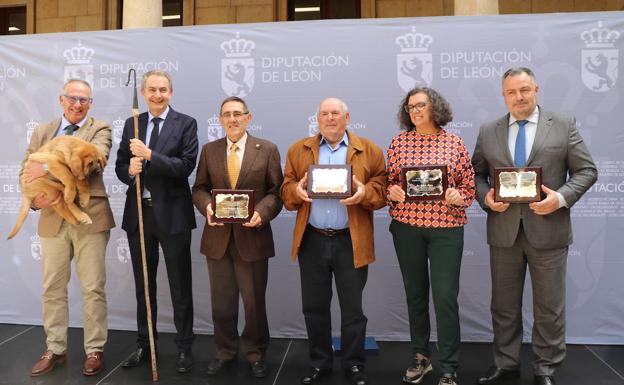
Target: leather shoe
{"x": 46, "y": 363}
{"x": 216, "y": 365}
{"x": 259, "y": 369}
{"x": 355, "y": 374}
{"x": 496, "y": 375}
{"x": 313, "y": 375}
{"x": 137, "y": 357}
{"x": 93, "y": 364}
{"x": 544, "y": 380}
{"x": 184, "y": 363}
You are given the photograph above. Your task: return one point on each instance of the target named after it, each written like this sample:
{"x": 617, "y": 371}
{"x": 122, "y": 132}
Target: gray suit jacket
{"x": 567, "y": 167}
{"x": 260, "y": 171}
{"x": 98, "y": 133}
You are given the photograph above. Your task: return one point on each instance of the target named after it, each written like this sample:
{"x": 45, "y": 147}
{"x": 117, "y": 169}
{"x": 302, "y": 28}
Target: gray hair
{"x": 517, "y": 71}
{"x": 83, "y": 82}
{"x": 343, "y": 105}
{"x": 156, "y": 73}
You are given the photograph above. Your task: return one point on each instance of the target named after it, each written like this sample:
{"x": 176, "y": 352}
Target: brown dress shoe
{"x": 46, "y": 363}
{"x": 93, "y": 364}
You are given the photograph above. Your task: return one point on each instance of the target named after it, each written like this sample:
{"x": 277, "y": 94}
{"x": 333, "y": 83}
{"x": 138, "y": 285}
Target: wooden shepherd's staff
{"x": 137, "y": 185}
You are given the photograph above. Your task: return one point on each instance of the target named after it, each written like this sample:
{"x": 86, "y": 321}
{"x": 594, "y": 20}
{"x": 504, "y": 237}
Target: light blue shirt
{"x": 148, "y": 136}
{"x": 330, "y": 213}
{"x": 65, "y": 123}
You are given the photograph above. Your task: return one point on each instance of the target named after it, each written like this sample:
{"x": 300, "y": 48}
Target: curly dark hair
{"x": 440, "y": 109}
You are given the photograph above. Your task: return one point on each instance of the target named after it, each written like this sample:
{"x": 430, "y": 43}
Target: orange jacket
{"x": 367, "y": 165}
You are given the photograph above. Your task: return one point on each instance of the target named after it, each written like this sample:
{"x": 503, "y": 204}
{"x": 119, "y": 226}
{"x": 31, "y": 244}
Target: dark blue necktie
{"x": 520, "y": 150}
{"x": 155, "y": 133}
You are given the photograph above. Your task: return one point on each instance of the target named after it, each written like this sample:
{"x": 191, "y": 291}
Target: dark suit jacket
{"x": 567, "y": 167}
{"x": 98, "y": 133}
{"x": 261, "y": 171}
{"x": 165, "y": 176}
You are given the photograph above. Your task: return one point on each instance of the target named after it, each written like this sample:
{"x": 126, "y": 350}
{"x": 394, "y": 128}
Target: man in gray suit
{"x": 536, "y": 234}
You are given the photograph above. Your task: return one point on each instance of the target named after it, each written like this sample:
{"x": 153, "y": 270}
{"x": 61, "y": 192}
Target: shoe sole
{"x": 89, "y": 374}
{"x": 58, "y": 361}
{"x": 427, "y": 370}
{"x": 184, "y": 370}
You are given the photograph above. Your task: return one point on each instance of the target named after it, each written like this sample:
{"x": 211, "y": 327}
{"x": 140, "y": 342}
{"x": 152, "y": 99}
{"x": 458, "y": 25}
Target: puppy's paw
{"x": 85, "y": 219}
{"x": 84, "y": 200}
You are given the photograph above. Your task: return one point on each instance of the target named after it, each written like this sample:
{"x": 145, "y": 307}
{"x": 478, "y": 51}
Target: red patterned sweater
{"x": 412, "y": 149}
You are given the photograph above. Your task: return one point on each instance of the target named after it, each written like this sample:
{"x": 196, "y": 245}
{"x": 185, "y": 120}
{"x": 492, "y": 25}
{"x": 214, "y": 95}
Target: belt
{"x": 147, "y": 202}
{"x": 329, "y": 232}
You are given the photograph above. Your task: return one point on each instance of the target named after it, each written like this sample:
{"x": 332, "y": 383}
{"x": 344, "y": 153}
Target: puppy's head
{"x": 87, "y": 161}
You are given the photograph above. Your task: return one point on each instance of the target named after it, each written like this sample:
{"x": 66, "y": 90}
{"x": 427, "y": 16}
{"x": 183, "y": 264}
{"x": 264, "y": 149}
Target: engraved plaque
{"x": 232, "y": 206}
{"x": 517, "y": 184}
{"x": 426, "y": 182}
{"x": 329, "y": 181}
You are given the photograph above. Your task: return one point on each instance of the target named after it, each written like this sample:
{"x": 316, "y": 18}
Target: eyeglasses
{"x": 80, "y": 99}
{"x": 415, "y": 107}
{"x": 236, "y": 115}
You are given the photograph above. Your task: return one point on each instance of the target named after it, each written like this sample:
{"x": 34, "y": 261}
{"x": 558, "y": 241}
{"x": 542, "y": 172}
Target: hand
{"x": 396, "y": 193}
{"x": 136, "y": 165}
{"x": 493, "y": 205}
{"x": 255, "y": 220}
{"x": 42, "y": 201}
{"x": 209, "y": 214}
{"x": 139, "y": 148}
{"x": 547, "y": 205}
{"x": 33, "y": 170}
{"x": 301, "y": 191}
{"x": 453, "y": 197}
{"x": 360, "y": 192}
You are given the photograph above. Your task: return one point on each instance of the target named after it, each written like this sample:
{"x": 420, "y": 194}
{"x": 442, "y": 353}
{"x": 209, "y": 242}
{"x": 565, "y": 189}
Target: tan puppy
{"x": 70, "y": 161}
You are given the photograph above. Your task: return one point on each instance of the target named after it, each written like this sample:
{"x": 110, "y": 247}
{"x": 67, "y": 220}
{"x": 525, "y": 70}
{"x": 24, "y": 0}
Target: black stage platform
{"x": 21, "y": 346}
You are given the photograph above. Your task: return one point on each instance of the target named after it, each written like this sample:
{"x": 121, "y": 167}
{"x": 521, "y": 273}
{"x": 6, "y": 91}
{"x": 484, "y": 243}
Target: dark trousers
{"x": 320, "y": 257}
{"x": 548, "y": 274}
{"x": 229, "y": 276}
{"x": 177, "y": 253}
{"x": 431, "y": 255}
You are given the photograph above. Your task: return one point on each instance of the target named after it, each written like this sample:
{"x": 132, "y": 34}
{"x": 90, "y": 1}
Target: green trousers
{"x": 431, "y": 255}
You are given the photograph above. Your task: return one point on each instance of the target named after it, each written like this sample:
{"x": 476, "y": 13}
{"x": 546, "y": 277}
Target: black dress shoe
{"x": 496, "y": 375}
{"x": 544, "y": 380}
{"x": 259, "y": 369}
{"x": 184, "y": 363}
{"x": 136, "y": 358}
{"x": 314, "y": 375}
{"x": 355, "y": 374}
{"x": 215, "y": 365}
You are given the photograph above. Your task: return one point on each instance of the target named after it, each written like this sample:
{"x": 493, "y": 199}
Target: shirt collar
{"x": 65, "y": 122}
{"x": 533, "y": 118}
{"x": 240, "y": 144}
{"x": 343, "y": 141}
{"x": 163, "y": 116}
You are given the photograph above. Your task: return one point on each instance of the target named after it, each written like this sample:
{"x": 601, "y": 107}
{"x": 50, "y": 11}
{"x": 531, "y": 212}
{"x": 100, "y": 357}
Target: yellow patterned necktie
{"x": 233, "y": 165}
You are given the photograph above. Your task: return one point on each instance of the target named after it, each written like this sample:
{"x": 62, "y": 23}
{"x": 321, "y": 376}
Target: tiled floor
{"x": 21, "y": 346}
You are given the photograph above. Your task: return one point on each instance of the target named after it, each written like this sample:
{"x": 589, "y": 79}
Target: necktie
{"x": 69, "y": 130}
{"x": 155, "y": 133}
{"x": 233, "y": 165}
{"x": 520, "y": 149}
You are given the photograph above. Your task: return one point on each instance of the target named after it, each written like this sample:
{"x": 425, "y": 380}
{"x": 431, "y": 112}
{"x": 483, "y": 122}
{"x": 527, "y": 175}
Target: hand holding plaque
{"x": 232, "y": 206}
{"x": 426, "y": 182}
{"x": 329, "y": 181}
{"x": 517, "y": 184}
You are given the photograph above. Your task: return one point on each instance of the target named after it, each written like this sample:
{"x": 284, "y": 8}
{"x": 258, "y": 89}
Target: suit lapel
{"x": 142, "y": 127}
{"x": 221, "y": 159}
{"x": 252, "y": 148}
{"x": 544, "y": 124}
{"x": 50, "y": 131}
{"x": 502, "y": 132}
{"x": 170, "y": 124}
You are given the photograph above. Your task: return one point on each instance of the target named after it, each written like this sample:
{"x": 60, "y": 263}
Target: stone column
{"x": 142, "y": 14}
{"x": 476, "y": 7}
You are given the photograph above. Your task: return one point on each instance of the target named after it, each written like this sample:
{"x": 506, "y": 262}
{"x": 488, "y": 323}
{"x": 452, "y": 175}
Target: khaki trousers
{"x": 89, "y": 251}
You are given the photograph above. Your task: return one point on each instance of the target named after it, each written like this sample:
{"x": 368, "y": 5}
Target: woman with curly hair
{"x": 429, "y": 234}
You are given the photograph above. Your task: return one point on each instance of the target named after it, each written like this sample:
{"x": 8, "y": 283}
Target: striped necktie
{"x": 233, "y": 165}
{"x": 69, "y": 130}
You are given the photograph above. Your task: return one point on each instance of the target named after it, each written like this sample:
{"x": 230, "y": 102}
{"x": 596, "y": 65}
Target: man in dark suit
{"x": 536, "y": 234}
{"x": 165, "y": 156}
{"x": 238, "y": 254}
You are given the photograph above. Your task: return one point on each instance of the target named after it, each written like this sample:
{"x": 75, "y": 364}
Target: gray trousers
{"x": 548, "y": 272}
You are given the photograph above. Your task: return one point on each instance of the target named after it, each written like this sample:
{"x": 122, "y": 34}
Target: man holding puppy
{"x": 61, "y": 242}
